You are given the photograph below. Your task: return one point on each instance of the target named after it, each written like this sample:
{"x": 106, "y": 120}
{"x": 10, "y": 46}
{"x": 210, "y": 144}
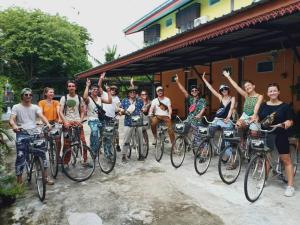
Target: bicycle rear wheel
{"x": 145, "y": 147}
{"x": 53, "y": 158}
{"x": 107, "y": 156}
{"x": 255, "y": 178}
{"x": 178, "y": 155}
{"x": 39, "y": 175}
{"x": 202, "y": 157}
{"x": 230, "y": 162}
{"x": 75, "y": 165}
{"x": 159, "y": 148}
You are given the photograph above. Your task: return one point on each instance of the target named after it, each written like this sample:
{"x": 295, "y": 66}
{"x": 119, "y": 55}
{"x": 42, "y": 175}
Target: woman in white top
{"x": 93, "y": 103}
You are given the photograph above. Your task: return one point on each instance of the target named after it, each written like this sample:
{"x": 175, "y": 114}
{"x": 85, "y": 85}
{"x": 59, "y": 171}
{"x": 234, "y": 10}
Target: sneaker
{"x": 124, "y": 160}
{"x": 49, "y": 181}
{"x": 289, "y": 191}
{"x": 118, "y": 148}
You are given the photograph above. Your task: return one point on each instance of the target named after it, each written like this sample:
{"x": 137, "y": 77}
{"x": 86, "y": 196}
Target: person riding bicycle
{"x": 161, "y": 111}
{"x": 197, "y": 107}
{"x": 71, "y": 112}
{"x": 95, "y": 112}
{"x": 252, "y": 103}
{"x": 227, "y": 104}
{"x": 130, "y": 106}
{"x": 50, "y": 109}
{"x": 23, "y": 117}
{"x": 111, "y": 109}
{"x": 281, "y": 113}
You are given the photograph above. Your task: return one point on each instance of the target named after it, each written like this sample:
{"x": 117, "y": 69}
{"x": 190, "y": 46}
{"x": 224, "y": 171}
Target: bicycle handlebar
{"x": 274, "y": 127}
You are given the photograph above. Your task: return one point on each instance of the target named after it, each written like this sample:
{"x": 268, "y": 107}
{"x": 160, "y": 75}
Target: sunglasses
{"x": 71, "y": 86}
{"x": 224, "y": 89}
{"x": 143, "y": 94}
{"x": 194, "y": 90}
{"x": 28, "y": 95}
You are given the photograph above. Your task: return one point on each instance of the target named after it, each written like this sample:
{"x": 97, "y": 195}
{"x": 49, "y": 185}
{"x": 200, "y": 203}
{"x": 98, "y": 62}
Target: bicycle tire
{"x": 256, "y": 171}
{"x": 40, "y": 178}
{"x": 159, "y": 149}
{"x": 230, "y": 169}
{"x": 145, "y": 149}
{"x": 73, "y": 167}
{"x": 203, "y": 155}
{"x": 53, "y": 158}
{"x": 107, "y": 163}
{"x": 28, "y": 166}
{"x": 180, "y": 147}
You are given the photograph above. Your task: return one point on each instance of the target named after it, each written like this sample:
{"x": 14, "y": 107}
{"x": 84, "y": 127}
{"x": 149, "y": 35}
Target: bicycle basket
{"x": 38, "y": 143}
{"x": 136, "y": 121}
{"x": 55, "y": 131}
{"x": 230, "y": 135}
{"x": 258, "y": 144}
{"x": 108, "y": 130}
{"x": 182, "y": 128}
{"x": 203, "y": 131}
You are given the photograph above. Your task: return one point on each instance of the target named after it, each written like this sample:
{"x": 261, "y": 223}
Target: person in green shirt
{"x": 196, "y": 104}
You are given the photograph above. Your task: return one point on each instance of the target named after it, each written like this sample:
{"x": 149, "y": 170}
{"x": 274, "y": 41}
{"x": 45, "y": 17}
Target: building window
{"x": 212, "y": 2}
{"x": 185, "y": 17}
{"x": 169, "y": 22}
{"x": 152, "y": 35}
{"x": 263, "y": 67}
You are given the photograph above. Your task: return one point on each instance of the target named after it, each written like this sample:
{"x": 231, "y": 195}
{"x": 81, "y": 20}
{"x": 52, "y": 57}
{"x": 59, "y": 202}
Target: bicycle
{"x": 140, "y": 147}
{"x": 106, "y": 153}
{"x": 183, "y": 142}
{"x": 203, "y": 155}
{"x": 51, "y": 137}
{"x": 160, "y": 141}
{"x": 33, "y": 160}
{"x": 78, "y": 162}
{"x": 257, "y": 173}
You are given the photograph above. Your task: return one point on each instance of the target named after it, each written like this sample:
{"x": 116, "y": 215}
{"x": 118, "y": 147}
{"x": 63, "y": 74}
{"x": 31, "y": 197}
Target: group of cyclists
{"x": 101, "y": 104}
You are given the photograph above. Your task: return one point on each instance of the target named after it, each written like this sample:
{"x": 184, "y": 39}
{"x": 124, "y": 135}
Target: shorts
{"x": 279, "y": 141}
{"x": 253, "y": 126}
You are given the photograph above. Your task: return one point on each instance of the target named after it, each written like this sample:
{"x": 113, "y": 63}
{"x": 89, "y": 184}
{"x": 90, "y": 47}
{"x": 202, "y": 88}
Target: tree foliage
{"x": 36, "y": 44}
{"x": 110, "y": 53}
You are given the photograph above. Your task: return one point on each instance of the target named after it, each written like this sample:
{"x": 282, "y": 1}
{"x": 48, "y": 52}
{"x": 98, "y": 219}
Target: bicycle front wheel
{"x": 39, "y": 175}
{"x": 230, "y": 162}
{"x": 107, "y": 156}
{"x": 202, "y": 158}
{"x": 78, "y": 163}
{"x": 178, "y": 154}
{"x": 53, "y": 158}
{"x": 145, "y": 147}
{"x": 159, "y": 148}
{"x": 255, "y": 178}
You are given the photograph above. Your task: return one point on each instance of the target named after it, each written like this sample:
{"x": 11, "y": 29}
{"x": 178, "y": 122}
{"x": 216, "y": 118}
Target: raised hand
{"x": 176, "y": 77}
{"x": 102, "y": 75}
{"x": 88, "y": 82}
{"x": 226, "y": 73}
{"x": 203, "y": 75}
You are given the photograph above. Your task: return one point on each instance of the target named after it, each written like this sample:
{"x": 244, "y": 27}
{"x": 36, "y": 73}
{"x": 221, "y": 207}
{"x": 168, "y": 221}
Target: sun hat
{"x": 159, "y": 88}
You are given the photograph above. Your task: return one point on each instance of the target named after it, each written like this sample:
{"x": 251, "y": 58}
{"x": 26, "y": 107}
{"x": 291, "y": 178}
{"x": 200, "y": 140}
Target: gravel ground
{"x": 154, "y": 193}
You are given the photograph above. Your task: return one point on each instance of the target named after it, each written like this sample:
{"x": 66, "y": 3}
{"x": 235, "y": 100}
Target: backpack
{"x": 65, "y": 105}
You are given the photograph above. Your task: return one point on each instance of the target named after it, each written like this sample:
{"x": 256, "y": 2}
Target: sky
{"x": 105, "y": 20}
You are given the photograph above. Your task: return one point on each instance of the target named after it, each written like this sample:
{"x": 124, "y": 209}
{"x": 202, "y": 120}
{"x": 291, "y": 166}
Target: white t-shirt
{"x": 72, "y": 107}
{"x": 111, "y": 108}
{"x": 157, "y": 110}
{"x": 92, "y": 108}
{"x": 26, "y": 115}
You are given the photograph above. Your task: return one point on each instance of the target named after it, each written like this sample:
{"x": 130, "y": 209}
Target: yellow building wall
{"x": 216, "y": 10}
{"x": 169, "y": 31}
{"x": 241, "y": 3}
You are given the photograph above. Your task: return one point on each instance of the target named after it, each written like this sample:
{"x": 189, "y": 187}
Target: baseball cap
{"x": 223, "y": 86}
{"x": 159, "y": 88}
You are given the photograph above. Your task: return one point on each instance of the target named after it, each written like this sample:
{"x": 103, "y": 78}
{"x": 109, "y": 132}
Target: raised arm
{"x": 181, "y": 88}
{"x": 86, "y": 91}
{"x": 234, "y": 84}
{"x": 101, "y": 78}
{"x": 208, "y": 85}
{"x": 131, "y": 82}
